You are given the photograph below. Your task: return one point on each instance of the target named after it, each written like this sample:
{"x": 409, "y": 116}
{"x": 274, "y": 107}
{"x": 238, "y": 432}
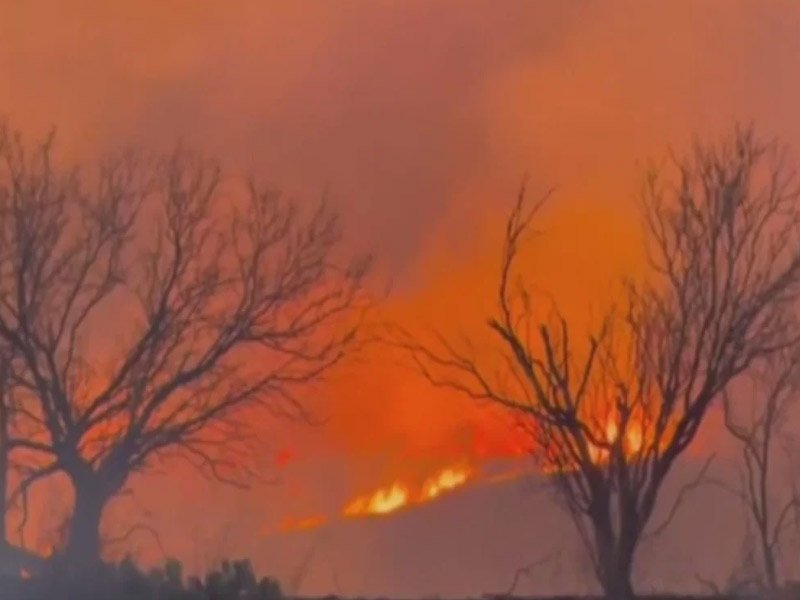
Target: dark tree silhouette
{"x": 216, "y": 307}
{"x": 5, "y": 438}
{"x": 13, "y": 558}
{"x": 757, "y": 427}
{"x": 609, "y": 418}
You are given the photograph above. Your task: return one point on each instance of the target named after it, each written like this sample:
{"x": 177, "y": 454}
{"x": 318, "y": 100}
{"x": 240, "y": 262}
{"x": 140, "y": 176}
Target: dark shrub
{"x": 125, "y": 581}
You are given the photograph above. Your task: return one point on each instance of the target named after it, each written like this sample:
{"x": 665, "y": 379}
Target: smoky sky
{"x": 420, "y": 120}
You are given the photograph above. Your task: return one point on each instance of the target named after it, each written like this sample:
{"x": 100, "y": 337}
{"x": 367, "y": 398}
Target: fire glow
{"x": 389, "y": 499}
{"x": 405, "y": 493}
{"x": 303, "y": 524}
{"x": 399, "y": 495}
{"x": 631, "y": 444}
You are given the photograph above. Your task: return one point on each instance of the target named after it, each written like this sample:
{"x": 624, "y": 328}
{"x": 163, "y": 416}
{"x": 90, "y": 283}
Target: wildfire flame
{"x": 406, "y": 493}
{"x": 447, "y": 480}
{"x": 631, "y": 444}
{"x": 384, "y": 500}
{"x": 398, "y": 495}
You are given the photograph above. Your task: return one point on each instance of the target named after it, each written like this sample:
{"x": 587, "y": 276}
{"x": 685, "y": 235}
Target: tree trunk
{"x": 617, "y": 585}
{"x": 616, "y": 568}
{"x": 83, "y": 547}
{"x": 4, "y": 467}
{"x": 770, "y": 568}
{"x": 5, "y": 449}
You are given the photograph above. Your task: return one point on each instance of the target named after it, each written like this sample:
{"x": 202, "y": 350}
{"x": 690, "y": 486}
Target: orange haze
{"x": 420, "y": 119}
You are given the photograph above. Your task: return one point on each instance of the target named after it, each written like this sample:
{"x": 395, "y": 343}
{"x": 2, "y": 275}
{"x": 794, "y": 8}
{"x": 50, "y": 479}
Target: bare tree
{"x": 774, "y": 387}
{"x": 13, "y": 557}
{"x": 609, "y": 417}
{"x": 9, "y": 555}
{"x": 218, "y": 307}
{"x": 5, "y": 449}
{"x": 745, "y": 579}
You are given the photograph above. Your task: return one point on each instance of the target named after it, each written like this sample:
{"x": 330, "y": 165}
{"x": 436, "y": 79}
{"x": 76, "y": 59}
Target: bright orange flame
{"x": 383, "y": 501}
{"x": 555, "y": 462}
{"x": 633, "y": 438}
{"x": 631, "y": 445}
{"x": 633, "y": 435}
{"x": 393, "y": 497}
{"x": 447, "y": 480}
{"x": 611, "y": 430}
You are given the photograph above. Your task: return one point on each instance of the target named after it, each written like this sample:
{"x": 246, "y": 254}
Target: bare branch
{"x": 611, "y": 412}
{"x": 222, "y": 301}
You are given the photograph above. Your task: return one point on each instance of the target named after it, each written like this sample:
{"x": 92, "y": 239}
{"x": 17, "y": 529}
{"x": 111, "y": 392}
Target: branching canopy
{"x": 609, "y": 416}
{"x": 149, "y": 308}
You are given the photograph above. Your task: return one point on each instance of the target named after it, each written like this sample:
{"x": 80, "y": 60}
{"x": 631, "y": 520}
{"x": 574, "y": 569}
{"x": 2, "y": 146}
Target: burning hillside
{"x": 399, "y": 495}
{"x": 395, "y": 496}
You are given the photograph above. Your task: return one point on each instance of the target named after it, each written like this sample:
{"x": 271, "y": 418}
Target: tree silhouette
{"x": 609, "y": 418}
{"x": 218, "y": 306}
{"x": 774, "y": 389}
{"x": 13, "y": 558}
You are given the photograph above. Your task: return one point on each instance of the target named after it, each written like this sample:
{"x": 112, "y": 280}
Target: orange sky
{"x": 420, "y": 118}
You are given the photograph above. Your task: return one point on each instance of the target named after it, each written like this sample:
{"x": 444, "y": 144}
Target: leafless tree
{"x": 609, "y": 417}
{"x": 9, "y": 555}
{"x": 5, "y": 434}
{"x": 774, "y": 388}
{"x": 218, "y": 308}
{"x": 14, "y": 557}
{"x": 745, "y": 579}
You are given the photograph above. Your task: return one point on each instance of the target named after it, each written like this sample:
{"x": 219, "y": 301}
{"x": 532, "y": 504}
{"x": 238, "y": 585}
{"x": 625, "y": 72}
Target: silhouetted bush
{"x": 126, "y": 581}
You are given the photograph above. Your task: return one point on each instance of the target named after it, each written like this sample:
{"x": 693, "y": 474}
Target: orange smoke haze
{"x": 419, "y": 119}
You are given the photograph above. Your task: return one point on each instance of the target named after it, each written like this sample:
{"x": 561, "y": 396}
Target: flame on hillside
{"x": 447, "y": 480}
{"x": 387, "y": 499}
{"x": 402, "y": 494}
{"x": 384, "y": 500}
{"x": 398, "y": 495}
